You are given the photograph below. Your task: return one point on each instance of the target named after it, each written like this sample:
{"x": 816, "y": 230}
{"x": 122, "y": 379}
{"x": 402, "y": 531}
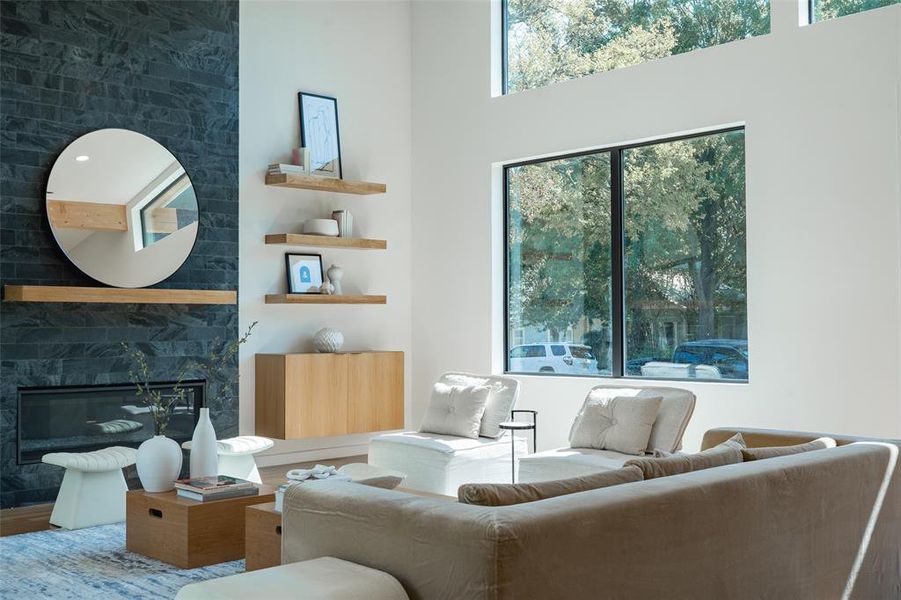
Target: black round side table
{"x": 513, "y": 426}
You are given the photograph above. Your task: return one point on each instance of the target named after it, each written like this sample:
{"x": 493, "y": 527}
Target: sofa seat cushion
{"x": 323, "y": 578}
{"x": 562, "y": 463}
{"x": 441, "y": 463}
{"x": 505, "y": 494}
{"x": 437, "y": 442}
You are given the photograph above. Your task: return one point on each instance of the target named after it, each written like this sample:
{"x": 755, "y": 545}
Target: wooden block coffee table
{"x": 263, "y": 536}
{"x": 186, "y": 533}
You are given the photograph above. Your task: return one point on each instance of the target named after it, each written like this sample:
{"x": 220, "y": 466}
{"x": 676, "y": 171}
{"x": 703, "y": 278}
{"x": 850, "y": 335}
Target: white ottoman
{"x": 324, "y": 578}
{"x": 93, "y": 489}
{"x": 236, "y": 456}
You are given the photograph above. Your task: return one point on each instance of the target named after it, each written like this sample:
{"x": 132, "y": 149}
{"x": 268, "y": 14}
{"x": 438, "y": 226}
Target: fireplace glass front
{"x": 82, "y": 419}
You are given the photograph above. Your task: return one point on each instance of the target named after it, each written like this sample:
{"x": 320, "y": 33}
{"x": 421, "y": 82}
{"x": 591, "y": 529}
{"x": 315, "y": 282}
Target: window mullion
{"x": 617, "y": 256}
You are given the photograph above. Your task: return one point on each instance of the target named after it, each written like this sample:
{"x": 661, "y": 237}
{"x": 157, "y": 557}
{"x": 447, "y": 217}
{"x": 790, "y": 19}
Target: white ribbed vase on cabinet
{"x": 204, "y": 452}
{"x": 159, "y": 463}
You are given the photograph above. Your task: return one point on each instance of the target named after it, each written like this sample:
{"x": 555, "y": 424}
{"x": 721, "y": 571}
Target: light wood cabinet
{"x": 316, "y": 395}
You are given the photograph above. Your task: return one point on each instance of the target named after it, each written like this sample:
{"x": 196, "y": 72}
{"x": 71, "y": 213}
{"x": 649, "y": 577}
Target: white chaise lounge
{"x": 560, "y": 463}
{"x": 441, "y": 463}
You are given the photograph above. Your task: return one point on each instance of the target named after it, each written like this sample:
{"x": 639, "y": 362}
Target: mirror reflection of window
{"x": 172, "y": 209}
{"x": 122, "y": 208}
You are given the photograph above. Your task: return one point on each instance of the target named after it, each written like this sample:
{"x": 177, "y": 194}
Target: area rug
{"x": 91, "y": 563}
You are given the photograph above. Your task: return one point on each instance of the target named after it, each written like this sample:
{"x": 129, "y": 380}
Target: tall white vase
{"x": 204, "y": 453}
{"x": 159, "y": 463}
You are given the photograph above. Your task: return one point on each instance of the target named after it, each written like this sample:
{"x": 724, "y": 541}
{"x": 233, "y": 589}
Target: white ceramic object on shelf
{"x": 204, "y": 452}
{"x": 335, "y": 273}
{"x": 345, "y": 222}
{"x": 159, "y": 464}
{"x": 328, "y": 340}
{"x": 326, "y": 288}
{"x": 326, "y": 227}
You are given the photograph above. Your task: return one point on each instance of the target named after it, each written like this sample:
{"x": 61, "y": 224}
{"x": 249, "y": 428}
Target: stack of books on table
{"x": 281, "y": 168}
{"x": 204, "y": 489}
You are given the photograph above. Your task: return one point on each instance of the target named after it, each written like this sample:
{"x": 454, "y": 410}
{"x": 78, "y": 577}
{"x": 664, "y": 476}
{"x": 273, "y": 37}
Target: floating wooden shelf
{"x": 322, "y": 241}
{"x": 324, "y": 299}
{"x": 325, "y": 184}
{"x": 53, "y": 293}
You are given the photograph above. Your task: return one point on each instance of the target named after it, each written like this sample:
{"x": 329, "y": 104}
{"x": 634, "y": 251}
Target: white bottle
{"x": 204, "y": 453}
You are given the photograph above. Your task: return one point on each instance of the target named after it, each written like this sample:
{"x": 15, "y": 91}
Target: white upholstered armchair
{"x": 439, "y": 463}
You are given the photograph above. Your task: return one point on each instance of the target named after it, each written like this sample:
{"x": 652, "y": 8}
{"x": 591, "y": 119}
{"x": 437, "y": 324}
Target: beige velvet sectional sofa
{"x": 820, "y": 525}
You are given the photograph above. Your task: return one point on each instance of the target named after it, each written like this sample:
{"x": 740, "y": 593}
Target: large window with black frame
{"x": 629, "y": 261}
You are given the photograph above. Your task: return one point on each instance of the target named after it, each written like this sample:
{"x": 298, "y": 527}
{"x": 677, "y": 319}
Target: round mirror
{"x": 122, "y": 208}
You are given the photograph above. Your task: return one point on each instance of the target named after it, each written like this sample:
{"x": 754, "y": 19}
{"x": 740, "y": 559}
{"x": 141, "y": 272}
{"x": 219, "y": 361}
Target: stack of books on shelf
{"x": 204, "y": 489}
{"x": 281, "y": 168}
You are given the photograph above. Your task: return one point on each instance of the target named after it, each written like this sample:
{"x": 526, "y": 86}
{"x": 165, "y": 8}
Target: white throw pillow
{"x": 622, "y": 424}
{"x": 501, "y": 398}
{"x": 455, "y": 410}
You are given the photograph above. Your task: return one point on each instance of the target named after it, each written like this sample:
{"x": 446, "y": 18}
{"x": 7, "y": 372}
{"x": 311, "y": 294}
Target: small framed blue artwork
{"x": 304, "y": 273}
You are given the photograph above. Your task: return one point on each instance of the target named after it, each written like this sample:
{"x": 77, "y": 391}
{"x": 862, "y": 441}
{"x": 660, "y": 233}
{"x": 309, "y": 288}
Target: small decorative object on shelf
{"x": 345, "y": 223}
{"x": 304, "y": 273}
{"x": 282, "y": 168}
{"x": 328, "y": 340}
{"x": 301, "y": 157}
{"x": 326, "y": 288}
{"x": 335, "y": 274}
{"x": 319, "y": 133}
{"x": 514, "y": 426}
{"x": 326, "y": 227}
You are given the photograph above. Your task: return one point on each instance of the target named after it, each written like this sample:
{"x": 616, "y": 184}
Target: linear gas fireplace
{"x": 81, "y": 419}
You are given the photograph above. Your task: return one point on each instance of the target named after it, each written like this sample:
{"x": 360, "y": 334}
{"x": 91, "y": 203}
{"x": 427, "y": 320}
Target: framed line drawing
{"x": 319, "y": 133}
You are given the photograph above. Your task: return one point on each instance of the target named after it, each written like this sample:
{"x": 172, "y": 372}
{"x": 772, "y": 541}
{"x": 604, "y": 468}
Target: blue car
{"x": 729, "y": 356}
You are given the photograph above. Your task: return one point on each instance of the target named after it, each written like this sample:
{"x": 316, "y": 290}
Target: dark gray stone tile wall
{"x": 168, "y": 70}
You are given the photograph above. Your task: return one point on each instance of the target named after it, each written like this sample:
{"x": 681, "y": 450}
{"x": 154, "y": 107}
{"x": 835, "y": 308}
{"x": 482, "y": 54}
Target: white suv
{"x": 553, "y": 357}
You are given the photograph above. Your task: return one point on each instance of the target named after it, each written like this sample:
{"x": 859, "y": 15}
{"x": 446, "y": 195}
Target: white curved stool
{"x": 236, "y": 456}
{"x": 93, "y": 489}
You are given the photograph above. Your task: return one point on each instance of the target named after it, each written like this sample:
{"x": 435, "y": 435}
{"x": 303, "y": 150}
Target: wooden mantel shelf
{"x": 324, "y": 299}
{"x": 111, "y": 295}
{"x": 322, "y": 241}
{"x": 325, "y": 184}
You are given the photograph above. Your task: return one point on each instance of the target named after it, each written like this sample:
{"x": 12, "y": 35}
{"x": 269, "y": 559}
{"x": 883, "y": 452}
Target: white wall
{"x": 820, "y": 104}
{"x": 358, "y": 52}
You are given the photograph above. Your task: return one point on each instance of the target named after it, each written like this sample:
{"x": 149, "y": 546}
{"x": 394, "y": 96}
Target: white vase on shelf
{"x": 204, "y": 451}
{"x": 159, "y": 463}
{"x": 328, "y": 340}
{"x": 335, "y": 273}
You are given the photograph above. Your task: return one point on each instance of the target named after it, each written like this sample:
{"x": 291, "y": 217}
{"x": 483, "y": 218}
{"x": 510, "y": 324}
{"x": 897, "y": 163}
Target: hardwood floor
{"x": 26, "y": 519}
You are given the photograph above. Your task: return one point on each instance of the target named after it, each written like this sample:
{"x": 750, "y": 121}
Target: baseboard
{"x": 287, "y": 458}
